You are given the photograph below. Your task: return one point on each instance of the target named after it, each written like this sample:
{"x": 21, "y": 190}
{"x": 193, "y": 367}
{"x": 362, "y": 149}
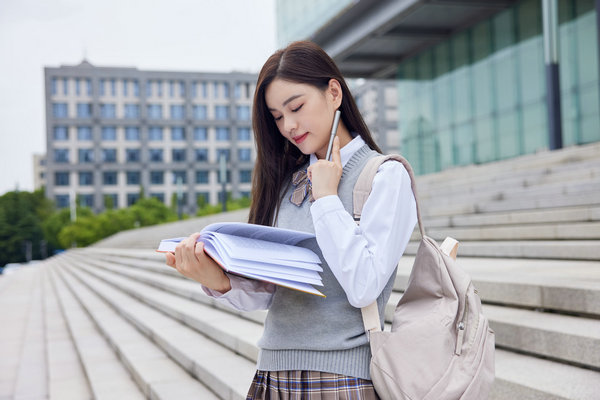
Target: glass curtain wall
{"x": 481, "y": 95}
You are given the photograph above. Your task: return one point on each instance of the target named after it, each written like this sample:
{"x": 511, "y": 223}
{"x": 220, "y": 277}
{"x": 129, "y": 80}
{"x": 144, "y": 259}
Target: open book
{"x": 260, "y": 252}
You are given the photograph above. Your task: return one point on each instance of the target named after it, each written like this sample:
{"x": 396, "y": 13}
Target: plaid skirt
{"x": 309, "y": 385}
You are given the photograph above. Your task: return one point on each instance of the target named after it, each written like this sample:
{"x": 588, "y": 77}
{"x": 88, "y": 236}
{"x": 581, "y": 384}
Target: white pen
{"x": 336, "y": 122}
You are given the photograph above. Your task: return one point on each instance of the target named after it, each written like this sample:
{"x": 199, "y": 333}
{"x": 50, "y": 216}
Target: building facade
{"x": 473, "y": 77}
{"x": 39, "y": 171}
{"x": 114, "y": 134}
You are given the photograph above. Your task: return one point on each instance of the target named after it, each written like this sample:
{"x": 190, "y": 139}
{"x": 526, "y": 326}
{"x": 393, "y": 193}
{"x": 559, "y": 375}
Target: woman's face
{"x": 304, "y": 113}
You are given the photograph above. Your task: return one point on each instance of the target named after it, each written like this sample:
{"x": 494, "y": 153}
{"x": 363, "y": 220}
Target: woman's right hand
{"x": 191, "y": 261}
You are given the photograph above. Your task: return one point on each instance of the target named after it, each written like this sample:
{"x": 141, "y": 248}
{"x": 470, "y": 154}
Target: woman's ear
{"x": 335, "y": 91}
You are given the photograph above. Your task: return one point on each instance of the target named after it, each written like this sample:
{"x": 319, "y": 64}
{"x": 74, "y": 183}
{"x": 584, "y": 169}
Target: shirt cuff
{"x": 325, "y": 205}
{"x": 235, "y": 285}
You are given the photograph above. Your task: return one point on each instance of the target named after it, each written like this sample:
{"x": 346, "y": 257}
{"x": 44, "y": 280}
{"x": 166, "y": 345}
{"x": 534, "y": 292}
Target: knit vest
{"x": 308, "y": 332}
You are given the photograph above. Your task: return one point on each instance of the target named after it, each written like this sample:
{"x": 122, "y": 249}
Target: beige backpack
{"x": 440, "y": 346}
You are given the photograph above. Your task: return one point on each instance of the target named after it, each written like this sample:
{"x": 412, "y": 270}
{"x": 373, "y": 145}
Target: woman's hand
{"x": 191, "y": 261}
{"x": 325, "y": 175}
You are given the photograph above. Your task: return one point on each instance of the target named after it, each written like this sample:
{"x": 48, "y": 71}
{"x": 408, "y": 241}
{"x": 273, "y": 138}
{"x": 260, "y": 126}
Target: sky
{"x": 177, "y": 35}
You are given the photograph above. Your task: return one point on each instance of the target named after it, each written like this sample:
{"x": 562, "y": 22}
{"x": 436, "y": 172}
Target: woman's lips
{"x": 300, "y": 139}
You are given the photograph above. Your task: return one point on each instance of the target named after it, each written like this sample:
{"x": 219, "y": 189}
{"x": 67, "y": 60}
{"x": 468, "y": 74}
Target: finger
{"x": 179, "y": 254}
{"x": 199, "y": 250}
{"x": 335, "y": 153}
{"x": 170, "y": 259}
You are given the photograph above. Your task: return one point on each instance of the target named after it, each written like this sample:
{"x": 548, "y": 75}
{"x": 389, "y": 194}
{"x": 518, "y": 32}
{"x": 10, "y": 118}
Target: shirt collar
{"x": 346, "y": 152}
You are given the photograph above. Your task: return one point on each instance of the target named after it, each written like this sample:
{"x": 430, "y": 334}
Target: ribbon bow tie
{"x": 303, "y": 188}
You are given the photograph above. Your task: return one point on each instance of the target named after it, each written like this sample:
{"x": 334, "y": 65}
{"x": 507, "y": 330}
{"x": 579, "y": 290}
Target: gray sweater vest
{"x": 307, "y": 332}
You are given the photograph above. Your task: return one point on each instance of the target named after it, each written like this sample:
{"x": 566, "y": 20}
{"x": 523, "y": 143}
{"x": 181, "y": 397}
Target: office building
{"x": 475, "y": 83}
{"x": 114, "y": 134}
{"x": 39, "y": 171}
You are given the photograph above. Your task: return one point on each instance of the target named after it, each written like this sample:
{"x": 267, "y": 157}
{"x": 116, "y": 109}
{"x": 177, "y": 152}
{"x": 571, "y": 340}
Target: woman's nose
{"x": 289, "y": 125}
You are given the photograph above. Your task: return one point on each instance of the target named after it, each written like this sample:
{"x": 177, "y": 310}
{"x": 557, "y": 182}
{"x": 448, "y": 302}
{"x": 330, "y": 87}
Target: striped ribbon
{"x": 303, "y": 188}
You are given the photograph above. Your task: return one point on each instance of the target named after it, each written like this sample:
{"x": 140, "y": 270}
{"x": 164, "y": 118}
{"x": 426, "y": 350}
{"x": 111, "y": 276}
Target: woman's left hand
{"x": 325, "y": 175}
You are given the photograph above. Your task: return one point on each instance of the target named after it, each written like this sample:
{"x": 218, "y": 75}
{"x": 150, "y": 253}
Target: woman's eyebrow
{"x": 287, "y": 101}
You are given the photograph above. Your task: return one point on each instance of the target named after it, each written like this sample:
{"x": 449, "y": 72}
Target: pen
{"x": 336, "y": 122}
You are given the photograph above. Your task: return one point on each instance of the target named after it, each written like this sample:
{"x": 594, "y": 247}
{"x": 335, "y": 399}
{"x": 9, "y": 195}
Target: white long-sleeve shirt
{"x": 362, "y": 258}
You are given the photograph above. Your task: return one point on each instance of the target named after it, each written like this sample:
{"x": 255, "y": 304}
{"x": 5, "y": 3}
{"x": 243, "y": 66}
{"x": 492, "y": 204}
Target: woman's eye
{"x": 297, "y": 108}
{"x": 277, "y": 118}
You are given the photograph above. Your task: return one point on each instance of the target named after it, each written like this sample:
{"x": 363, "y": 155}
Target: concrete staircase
{"x": 112, "y": 321}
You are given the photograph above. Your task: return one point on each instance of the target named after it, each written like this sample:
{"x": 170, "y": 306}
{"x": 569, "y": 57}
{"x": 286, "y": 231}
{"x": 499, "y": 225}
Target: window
{"x": 159, "y": 85}
{"x": 61, "y": 155}
{"x": 204, "y": 89}
{"x": 222, "y": 134}
{"x": 102, "y": 89}
{"x": 245, "y": 176}
{"x": 237, "y": 90}
{"x": 156, "y": 155}
{"x": 61, "y": 179}
{"x": 84, "y": 110}
{"x": 109, "y": 178}
{"x": 84, "y": 133}
{"x": 200, "y": 134}
{"x": 226, "y": 90}
{"x": 194, "y": 89}
{"x": 86, "y": 200}
{"x": 77, "y": 87}
{"x": 109, "y": 133}
{"x": 223, "y": 152}
{"x": 243, "y": 113}
{"x": 201, "y": 154}
{"x": 125, "y": 89}
{"x": 159, "y": 196}
{"x": 201, "y": 176}
{"x": 136, "y": 88}
{"x": 177, "y": 112}
{"x": 65, "y": 86}
{"x": 113, "y": 87}
{"x": 61, "y": 133}
{"x": 243, "y": 134}
{"x": 132, "y": 133}
{"x": 199, "y": 112}
{"x": 157, "y": 177}
{"x": 181, "y": 89}
{"x": 132, "y": 155}
{"x": 86, "y": 178}
{"x": 216, "y": 90}
{"x": 133, "y": 177}
{"x": 178, "y": 155}
{"x": 88, "y": 83}
{"x": 244, "y": 154}
{"x": 171, "y": 88}
{"x": 53, "y": 86}
{"x": 132, "y": 198}
{"x": 201, "y": 198}
{"x": 59, "y": 110}
{"x": 109, "y": 155}
{"x": 222, "y": 113}
{"x": 177, "y": 133}
{"x": 132, "y": 111}
{"x": 111, "y": 201}
{"x": 180, "y": 176}
{"x": 154, "y": 111}
{"x": 149, "y": 89}
{"x": 108, "y": 111}
{"x": 62, "y": 200}
{"x": 86, "y": 156}
{"x": 227, "y": 180}
{"x": 155, "y": 133}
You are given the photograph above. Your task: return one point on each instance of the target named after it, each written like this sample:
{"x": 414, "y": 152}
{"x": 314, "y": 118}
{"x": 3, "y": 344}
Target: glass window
{"x": 132, "y": 198}
{"x": 237, "y": 91}
{"x": 159, "y": 196}
{"x": 223, "y": 152}
{"x": 243, "y": 113}
{"x": 132, "y": 111}
{"x": 132, "y": 133}
{"x": 202, "y": 198}
{"x": 133, "y": 177}
{"x": 86, "y": 200}
{"x": 159, "y": 85}
{"x": 111, "y": 201}
{"x": 244, "y": 154}
{"x": 177, "y": 133}
{"x": 61, "y": 155}
{"x": 157, "y": 177}
{"x": 204, "y": 88}
{"x": 132, "y": 155}
{"x": 171, "y": 88}
{"x": 109, "y": 133}
{"x": 245, "y": 176}
{"x": 102, "y": 88}
{"x": 201, "y": 176}
{"x": 77, "y": 87}
{"x": 222, "y": 134}
{"x": 181, "y": 89}
{"x": 125, "y": 84}
{"x": 243, "y": 134}
{"x": 222, "y": 113}
{"x": 109, "y": 155}
{"x": 201, "y": 154}
{"x": 155, "y": 133}
{"x": 53, "y": 86}
{"x": 109, "y": 178}
{"x": 88, "y": 83}
{"x": 84, "y": 110}
{"x": 148, "y": 88}
{"x": 199, "y": 112}
{"x": 84, "y": 133}
{"x": 86, "y": 178}
{"x": 194, "y": 89}
{"x": 86, "y": 156}
{"x": 61, "y": 133}
{"x": 216, "y": 90}
{"x": 226, "y": 90}
{"x": 227, "y": 180}
{"x": 62, "y": 200}
{"x": 60, "y": 110}
{"x": 180, "y": 176}
{"x": 113, "y": 87}
{"x": 154, "y": 111}
{"x": 61, "y": 179}
{"x": 177, "y": 112}
{"x": 136, "y": 88}
{"x": 200, "y": 134}
{"x": 156, "y": 155}
{"x": 178, "y": 155}
{"x": 65, "y": 86}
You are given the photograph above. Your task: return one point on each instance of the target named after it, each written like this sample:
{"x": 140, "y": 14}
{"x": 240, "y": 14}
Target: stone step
{"x": 107, "y": 377}
{"x": 155, "y": 373}
{"x": 506, "y": 387}
{"x": 533, "y": 249}
{"x": 66, "y": 376}
{"x": 218, "y": 368}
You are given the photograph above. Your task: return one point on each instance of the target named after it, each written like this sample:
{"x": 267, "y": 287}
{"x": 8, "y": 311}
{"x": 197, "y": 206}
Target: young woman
{"x": 314, "y": 347}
